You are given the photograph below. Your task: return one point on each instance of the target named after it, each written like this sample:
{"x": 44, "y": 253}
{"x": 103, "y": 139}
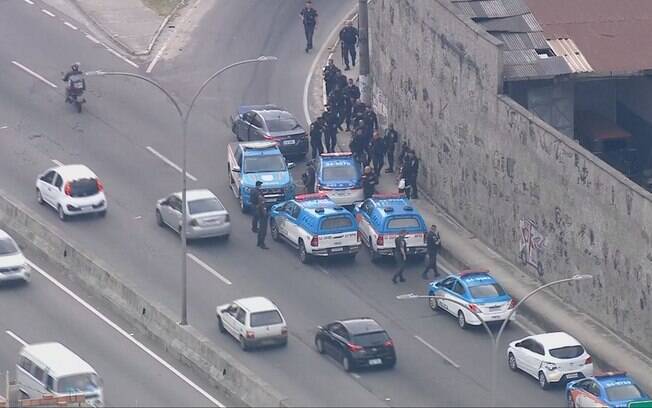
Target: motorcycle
{"x": 75, "y": 91}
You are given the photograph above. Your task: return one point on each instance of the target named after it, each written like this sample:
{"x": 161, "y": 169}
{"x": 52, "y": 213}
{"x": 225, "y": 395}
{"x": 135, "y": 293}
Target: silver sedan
{"x": 207, "y": 217}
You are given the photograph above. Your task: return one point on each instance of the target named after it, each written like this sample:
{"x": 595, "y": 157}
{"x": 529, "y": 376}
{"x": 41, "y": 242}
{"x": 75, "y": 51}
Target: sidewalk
{"x": 130, "y": 23}
{"x": 462, "y": 248}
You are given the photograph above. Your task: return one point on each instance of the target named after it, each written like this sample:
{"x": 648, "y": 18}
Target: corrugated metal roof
{"x": 518, "y": 57}
{"x": 542, "y": 68}
{"x": 522, "y": 41}
{"x": 515, "y": 24}
{"x": 566, "y": 48}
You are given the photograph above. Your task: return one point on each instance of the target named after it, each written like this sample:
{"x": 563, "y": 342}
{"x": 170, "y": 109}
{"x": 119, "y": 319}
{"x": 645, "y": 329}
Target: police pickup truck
{"x": 382, "y": 217}
{"x": 316, "y": 226}
{"x": 259, "y": 161}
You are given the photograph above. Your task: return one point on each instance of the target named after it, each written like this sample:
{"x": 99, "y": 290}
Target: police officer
{"x": 316, "y": 137}
{"x": 378, "y": 153}
{"x": 348, "y": 38}
{"x": 400, "y": 253}
{"x": 369, "y": 182}
{"x": 371, "y": 120}
{"x": 411, "y": 173}
{"x": 352, "y": 93}
{"x": 261, "y": 212}
{"x": 309, "y": 177}
{"x": 330, "y": 132}
{"x": 255, "y": 198}
{"x": 309, "y": 18}
{"x": 433, "y": 243}
{"x": 331, "y": 73}
{"x": 390, "y": 138}
{"x": 337, "y": 102}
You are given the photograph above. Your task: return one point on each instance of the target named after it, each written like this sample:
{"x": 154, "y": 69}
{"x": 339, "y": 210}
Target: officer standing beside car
{"x": 316, "y": 137}
{"x": 309, "y": 18}
{"x": 390, "y": 138}
{"x": 369, "y": 182}
{"x": 349, "y": 39}
{"x": 256, "y": 197}
{"x": 331, "y": 119}
{"x": 433, "y": 243}
{"x": 309, "y": 177}
{"x": 400, "y": 252}
{"x": 261, "y": 213}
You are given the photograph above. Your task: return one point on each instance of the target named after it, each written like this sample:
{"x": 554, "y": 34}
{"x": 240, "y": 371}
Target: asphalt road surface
{"x": 126, "y": 130}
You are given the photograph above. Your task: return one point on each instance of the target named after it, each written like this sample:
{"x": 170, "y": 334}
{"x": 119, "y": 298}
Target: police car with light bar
{"x": 316, "y": 226}
{"x": 340, "y": 176}
{"x": 471, "y": 290}
{"x": 382, "y": 217}
{"x": 611, "y": 389}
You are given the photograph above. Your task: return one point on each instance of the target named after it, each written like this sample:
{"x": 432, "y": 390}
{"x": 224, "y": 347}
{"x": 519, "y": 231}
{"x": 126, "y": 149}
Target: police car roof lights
{"x": 388, "y": 209}
{"x": 408, "y": 208}
{"x": 319, "y": 210}
{"x": 312, "y": 196}
{"x": 470, "y": 272}
{"x": 338, "y": 154}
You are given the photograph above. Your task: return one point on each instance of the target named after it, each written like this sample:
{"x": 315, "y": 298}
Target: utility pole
{"x": 363, "y": 28}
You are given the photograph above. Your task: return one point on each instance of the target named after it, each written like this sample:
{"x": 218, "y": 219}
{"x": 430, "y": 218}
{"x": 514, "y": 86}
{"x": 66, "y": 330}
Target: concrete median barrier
{"x": 183, "y": 342}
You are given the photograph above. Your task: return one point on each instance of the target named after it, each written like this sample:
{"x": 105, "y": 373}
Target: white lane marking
{"x": 170, "y": 162}
{"x": 30, "y": 2}
{"x": 90, "y": 37}
{"x": 354, "y": 375}
{"x": 49, "y": 13}
{"x": 16, "y": 337}
{"x": 70, "y": 25}
{"x": 156, "y": 58}
{"x": 117, "y": 54}
{"x": 32, "y": 73}
{"x": 4, "y": 127}
{"x": 209, "y": 269}
{"x": 433, "y": 349}
{"x": 323, "y": 270}
{"x": 124, "y": 334}
{"x": 57, "y": 162}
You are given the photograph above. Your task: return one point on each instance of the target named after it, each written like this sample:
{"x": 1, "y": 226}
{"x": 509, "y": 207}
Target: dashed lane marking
{"x": 30, "y": 2}
{"x": 32, "y": 73}
{"x": 124, "y": 334}
{"x": 16, "y": 337}
{"x": 156, "y": 58}
{"x": 4, "y": 127}
{"x": 209, "y": 269}
{"x": 57, "y": 162}
{"x": 170, "y": 162}
{"x": 93, "y": 39}
{"x": 49, "y": 13}
{"x": 70, "y": 25}
{"x": 439, "y": 353}
{"x": 122, "y": 57}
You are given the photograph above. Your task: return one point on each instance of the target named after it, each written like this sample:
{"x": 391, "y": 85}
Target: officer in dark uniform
{"x": 400, "y": 253}
{"x": 309, "y": 18}
{"x": 309, "y": 177}
{"x": 330, "y": 132}
{"x": 337, "y": 102}
{"x": 349, "y": 39}
{"x": 378, "y": 153}
{"x": 331, "y": 72}
{"x": 316, "y": 137}
{"x": 255, "y": 198}
{"x": 369, "y": 182}
{"x": 433, "y": 243}
{"x": 352, "y": 93}
{"x": 358, "y": 111}
{"x": 411, "y": 173}
{"x": 371, "y": 120}
{"x": 261, "y": 213}
{"x": 390, "y": 138}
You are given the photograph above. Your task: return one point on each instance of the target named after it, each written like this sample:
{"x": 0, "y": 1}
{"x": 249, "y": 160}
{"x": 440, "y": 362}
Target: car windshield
{"x": 78, "y": 383}
{"x": 623, "y": 392}
{"x": 398, "y": 223}
{"x": 348, "y": 172}
{"x": 263, "y": 164}
{"x": 83, "y": 188}
{"x": 7, "y": 246}
{"x": 267, "y": 318}
{"x": 567, "y": 352}
{"x": 204, "y": 205}
{"x": 490, "y": 290}
{"x": 336, "y": 222}
{"x": 282, "y": 124}
{"x": 370, "y": 339}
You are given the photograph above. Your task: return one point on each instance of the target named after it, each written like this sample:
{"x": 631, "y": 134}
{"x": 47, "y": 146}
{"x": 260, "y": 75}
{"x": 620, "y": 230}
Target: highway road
{"x": 126, "y": 121}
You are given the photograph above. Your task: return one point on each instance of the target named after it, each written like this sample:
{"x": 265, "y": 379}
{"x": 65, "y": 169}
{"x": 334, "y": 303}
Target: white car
{"x": 550, "y": 358}
{"x": 12, "y": 262}
{"x": 71, "y": 190}
{"x": 206, "y": 215}
{"x": 253, "y": 321}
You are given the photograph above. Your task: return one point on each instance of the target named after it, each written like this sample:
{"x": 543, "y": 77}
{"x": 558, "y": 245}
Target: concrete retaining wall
{"x": 527, "y": 190}
{"x": 184, "y": 343}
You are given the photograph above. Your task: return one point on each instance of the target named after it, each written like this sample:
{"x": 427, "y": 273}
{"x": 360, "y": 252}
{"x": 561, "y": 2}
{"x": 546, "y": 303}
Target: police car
{"x": 382, "y": 217}
{"x": 339, "y": 176}
{"x": 476, "y": 290}
{"x": 612, "y": 390}
{"x": 316, "y": 226}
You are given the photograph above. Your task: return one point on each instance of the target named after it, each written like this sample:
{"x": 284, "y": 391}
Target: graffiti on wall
{"x": 532, "y": 243}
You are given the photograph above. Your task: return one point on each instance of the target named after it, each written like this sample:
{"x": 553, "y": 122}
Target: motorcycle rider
{"x": 72, "y": 78}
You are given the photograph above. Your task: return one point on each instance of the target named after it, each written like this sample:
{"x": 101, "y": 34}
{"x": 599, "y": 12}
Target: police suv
{"x": 339, "y": 176}
{"x": 316, "y": 226}
{"x": 382, "y": 217}
{"x": 259, "y": 161}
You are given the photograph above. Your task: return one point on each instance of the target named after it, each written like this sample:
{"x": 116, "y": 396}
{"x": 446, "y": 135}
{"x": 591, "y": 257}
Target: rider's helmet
{"x": 75, "y": 66}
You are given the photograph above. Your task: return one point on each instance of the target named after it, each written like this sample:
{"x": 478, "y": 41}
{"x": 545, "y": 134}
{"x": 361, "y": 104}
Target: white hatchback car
{"x": 550, "y": 358}
{"x": 71, "y": 190}
{"x": 12, "y": 262}
{"x": 206, "y": 215}
{"x": 254, "y": 321}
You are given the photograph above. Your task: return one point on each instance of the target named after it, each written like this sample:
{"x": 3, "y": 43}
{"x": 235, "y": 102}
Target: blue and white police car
{"x": 612, "y": 390}
{"x": 478, "y": 291}
{"x": 339, "y": 175}
{"x": 316, "y": 226}
{"x": 382, "y": 217}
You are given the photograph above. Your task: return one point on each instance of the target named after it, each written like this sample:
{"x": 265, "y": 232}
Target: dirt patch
{"x": 162, "y": 7}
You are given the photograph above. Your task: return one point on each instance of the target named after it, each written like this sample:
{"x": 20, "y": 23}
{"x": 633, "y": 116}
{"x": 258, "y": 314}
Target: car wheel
{"x": 391, "y": 364}
{"x": 375, "y": 256}
{"x": 319, "y": 345}
{"x": 543, "y": 382}
{"x": 102, "y": 214}
{"x": 39, "y": 197}
{"x": 511, "y": 360}
{"x": 346, "y": 364}
{"x": 570, "y": 401}
{"x": 220, "y": 325}
{"x": 273, "y": 229}
{"x": 243, "y": 208}
{"x": 243, "y": 344}
{"x": 304, "y": 256}
{"x": 433, "y": 303}
{"x": 62, "y": 215}
{"x": 461, "y": 320}
{"x": 159, "y": 219}
{"x": 351, "y": 257}
{"x": 225, "y": 237}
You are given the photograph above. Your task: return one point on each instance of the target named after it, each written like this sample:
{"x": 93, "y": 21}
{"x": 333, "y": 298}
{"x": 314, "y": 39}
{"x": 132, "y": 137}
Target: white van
{"x": 52, "y": 369}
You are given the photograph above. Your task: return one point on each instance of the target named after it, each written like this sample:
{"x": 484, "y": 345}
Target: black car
{"x": 359, "y": 342}
{"x": 269, "y": 122}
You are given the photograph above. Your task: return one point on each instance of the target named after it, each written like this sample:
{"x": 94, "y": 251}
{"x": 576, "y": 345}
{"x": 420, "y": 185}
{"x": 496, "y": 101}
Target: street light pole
{"x": 363, "y": 27}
